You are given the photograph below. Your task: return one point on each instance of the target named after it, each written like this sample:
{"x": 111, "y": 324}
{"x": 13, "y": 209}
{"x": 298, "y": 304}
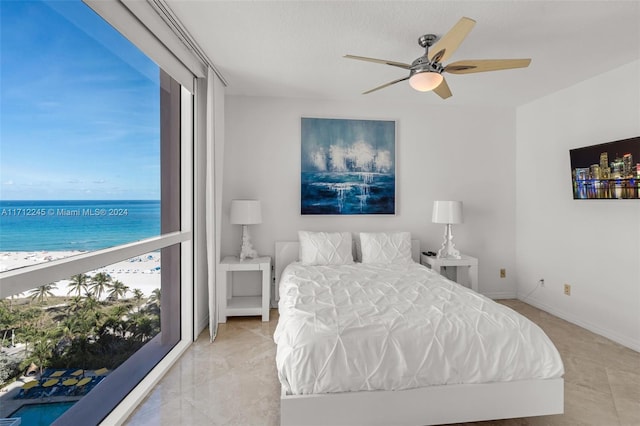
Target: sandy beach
{"x": 141, "y": 272}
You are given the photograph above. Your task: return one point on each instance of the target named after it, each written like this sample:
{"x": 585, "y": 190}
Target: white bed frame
{"x": 421, "y": 406}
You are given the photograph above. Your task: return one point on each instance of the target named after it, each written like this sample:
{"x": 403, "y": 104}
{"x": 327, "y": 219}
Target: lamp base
{"x": 448, "y": 249}
{"x": 247, "y": 251}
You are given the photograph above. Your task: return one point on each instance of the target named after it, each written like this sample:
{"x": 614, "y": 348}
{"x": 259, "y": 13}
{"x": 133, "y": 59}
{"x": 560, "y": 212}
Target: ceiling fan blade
{"x": 386, "y": 85}
{"x": 443, "y": 90}
{"x": 482, "y": 65}
{"x": 449, "y": 43}
{"x": 380, "y": 61}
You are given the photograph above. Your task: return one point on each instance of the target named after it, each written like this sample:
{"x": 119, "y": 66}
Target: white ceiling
{"x": 295, "y": 48}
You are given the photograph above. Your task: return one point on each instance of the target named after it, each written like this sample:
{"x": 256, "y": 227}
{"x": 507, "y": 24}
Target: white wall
{"x": 594, "y": 245}
{"x": 443, "y": 152}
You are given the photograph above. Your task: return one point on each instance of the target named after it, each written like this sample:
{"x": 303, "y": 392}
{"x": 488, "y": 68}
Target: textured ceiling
{"x": 295, "y": 48}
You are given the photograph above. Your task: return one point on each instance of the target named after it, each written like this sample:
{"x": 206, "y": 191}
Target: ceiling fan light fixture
{"x": 425, "y": 81}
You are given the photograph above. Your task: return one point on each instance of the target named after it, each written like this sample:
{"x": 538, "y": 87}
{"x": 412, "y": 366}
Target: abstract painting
{"x": 606, "y": 171}
{"x": 348, "y": 167}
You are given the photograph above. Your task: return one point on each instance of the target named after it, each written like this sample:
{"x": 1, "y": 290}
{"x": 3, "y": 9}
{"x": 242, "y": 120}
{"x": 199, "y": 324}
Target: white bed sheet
{"x": 373, "y": 327}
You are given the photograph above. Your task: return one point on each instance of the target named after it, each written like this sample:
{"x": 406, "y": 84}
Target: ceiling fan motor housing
{"x": 423, "y": 64}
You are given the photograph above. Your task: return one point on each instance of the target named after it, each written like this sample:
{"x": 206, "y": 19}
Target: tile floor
{"x": 233, "y": 381}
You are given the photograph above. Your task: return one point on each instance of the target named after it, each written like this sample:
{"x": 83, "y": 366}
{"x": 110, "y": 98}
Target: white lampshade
{"x": 447, "y": 212}
{"x": 425, "y": 81}
{"x": 245, "y": 212}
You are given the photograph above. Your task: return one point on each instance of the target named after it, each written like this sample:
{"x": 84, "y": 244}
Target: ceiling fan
{"x": 425, "y": 73}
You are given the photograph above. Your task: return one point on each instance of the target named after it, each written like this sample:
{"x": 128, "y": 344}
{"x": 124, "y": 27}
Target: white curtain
{"x": 213, "y": 188}
{"x": 210, "y": 207}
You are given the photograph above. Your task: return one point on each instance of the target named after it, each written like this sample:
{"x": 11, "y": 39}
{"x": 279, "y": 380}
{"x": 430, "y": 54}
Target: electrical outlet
{"x": 567, "y": 289}
{"x": 503, "y": 273}
{"x": 541, "y": 282}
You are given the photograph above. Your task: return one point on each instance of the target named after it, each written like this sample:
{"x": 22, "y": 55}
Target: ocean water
{"x": 76, "y": 225}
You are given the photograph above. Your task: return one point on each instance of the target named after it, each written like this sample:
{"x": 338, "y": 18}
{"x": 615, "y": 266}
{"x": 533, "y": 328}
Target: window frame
{"x": 20, "y": 280}
{"x": 126, "y": 407}
{"x": 190, "y": 66}
{"x": 147, "y": 365}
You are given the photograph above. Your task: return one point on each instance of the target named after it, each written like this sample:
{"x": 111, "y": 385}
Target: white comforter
{"x": 370, "y": 327}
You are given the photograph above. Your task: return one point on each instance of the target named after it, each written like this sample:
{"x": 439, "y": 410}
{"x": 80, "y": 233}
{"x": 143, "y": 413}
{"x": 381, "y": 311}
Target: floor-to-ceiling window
{"x": 93, "y": 223}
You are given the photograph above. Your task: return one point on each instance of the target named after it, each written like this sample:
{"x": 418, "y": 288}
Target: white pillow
{"x": 386, "y": 247}
{"x": 325, "y": 248}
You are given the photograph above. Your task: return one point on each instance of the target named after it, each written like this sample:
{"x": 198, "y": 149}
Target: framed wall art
{"x": 348, "y": 167}
{"x": 606, "y": 171}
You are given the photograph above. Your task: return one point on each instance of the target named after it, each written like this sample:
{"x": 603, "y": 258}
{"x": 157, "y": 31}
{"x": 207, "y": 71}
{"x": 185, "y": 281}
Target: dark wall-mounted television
{"x": 609, "y": 171}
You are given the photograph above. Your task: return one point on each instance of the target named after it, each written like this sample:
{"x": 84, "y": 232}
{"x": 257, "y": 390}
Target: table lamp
{"x": 449, "y": 213}
{"x": 245, "y": 213}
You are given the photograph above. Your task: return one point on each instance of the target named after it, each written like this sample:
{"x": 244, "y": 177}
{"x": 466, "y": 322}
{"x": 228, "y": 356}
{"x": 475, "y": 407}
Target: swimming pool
{"x": 41, "y": 414}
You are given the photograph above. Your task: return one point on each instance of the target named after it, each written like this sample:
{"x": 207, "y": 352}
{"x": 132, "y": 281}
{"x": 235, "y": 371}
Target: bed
{"x": 381, "y": 343}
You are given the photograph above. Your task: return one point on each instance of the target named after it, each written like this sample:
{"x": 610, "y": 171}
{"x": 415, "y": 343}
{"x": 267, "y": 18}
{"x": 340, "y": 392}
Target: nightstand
{"x": 229, "y": 305}
{"x": 470, "y": 264}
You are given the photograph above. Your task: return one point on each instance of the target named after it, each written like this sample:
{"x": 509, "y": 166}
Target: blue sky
{"x": 79, "y": 107}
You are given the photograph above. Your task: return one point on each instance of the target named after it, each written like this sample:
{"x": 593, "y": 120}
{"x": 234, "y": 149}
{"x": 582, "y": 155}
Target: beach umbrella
{"x": 70, "y": 382}
{"x": 30, "y": 384}
{"x": 101, "y": 371}
{"x": 58, "y": 373}
{"x": 32, "y": 370}
{"x": 49, "y": 383}
{"x": 77, "y": 372}
{"x": 84, "y": 381}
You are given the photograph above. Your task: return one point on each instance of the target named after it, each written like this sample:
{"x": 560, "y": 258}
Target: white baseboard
{"x": 500, "y": 295}
{"x": 609, "y": 334}
{"x": 200, "y": 325}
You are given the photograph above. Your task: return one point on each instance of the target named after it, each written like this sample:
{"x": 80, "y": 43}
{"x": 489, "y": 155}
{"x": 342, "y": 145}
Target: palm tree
{"x": 138, "y": 295}
{"x": 71, "y": 327}
{"x": 91, "y": 313}
{"x": 76, "y": 303}
{"x": 118, "y": 312}
{"x": 155, "y": 297}
{"x": 27, "y": 333}
{"x": 41, "y": 352}
{"x": 118, "y": 290}
{"x": 8, "y": 319}
{"x": 115, "y": 320}
{"x": 90, "y": 303}
{"x": 99, "y": 283}
{"x": 43, "y": 292}
{"x": 143, "y": 329}
{"x": 78, "y": 284}
{"x": 153, "y": 304}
